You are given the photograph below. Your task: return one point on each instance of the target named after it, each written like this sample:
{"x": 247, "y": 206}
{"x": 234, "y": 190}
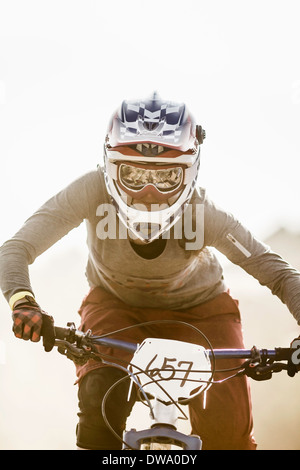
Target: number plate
{"x": 180, "y": 369}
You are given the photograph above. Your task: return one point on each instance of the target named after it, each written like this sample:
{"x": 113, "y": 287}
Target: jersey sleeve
{"x": 231, "y": 238}
{"x": 52, "y": 221}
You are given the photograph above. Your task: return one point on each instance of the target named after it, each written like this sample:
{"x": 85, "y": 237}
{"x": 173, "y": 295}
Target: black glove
{"x": 30, "y": 323}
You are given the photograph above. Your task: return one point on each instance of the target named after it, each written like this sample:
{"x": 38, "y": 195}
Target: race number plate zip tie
{"x": 129, "y": 390}
{"x": 204, "y": 399}
{"x": 131, "y": 383}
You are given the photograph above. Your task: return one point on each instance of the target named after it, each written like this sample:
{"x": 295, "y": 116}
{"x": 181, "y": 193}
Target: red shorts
{"x": 226, "y": 422}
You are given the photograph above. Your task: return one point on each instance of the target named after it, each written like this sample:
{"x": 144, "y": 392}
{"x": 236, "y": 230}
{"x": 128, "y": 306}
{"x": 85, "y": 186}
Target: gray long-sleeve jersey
{"x": 182, "y": 275}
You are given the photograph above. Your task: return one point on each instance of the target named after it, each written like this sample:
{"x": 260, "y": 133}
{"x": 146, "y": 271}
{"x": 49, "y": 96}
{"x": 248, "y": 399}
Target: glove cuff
{"x": 26, "y": 296}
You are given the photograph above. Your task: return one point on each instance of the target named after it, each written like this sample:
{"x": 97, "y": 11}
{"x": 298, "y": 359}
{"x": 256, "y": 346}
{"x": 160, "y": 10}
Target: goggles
{"x": 137, "y": 173}
{"x": 135, "y": 178}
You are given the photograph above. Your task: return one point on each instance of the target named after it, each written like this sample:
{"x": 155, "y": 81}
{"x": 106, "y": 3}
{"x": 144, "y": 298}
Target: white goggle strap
{"x": 112, "y": 170}
{"x": 190, "y": 174}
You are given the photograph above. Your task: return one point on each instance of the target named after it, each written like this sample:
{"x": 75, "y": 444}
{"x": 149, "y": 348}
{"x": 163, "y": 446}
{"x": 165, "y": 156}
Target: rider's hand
{"x": 30, "y": 323}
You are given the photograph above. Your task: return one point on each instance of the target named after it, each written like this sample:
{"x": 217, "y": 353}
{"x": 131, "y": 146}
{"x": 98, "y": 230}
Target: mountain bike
{"x": 168, "y": 374}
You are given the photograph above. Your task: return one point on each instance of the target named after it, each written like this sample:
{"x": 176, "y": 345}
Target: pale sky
{"x": 65, "y": 66}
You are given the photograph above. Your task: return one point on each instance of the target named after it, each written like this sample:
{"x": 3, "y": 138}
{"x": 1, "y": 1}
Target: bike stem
{"x": 164, "y": 414}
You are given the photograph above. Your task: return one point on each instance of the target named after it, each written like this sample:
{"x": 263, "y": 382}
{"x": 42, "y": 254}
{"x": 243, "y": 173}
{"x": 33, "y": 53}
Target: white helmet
{"x": 152, "y": 147}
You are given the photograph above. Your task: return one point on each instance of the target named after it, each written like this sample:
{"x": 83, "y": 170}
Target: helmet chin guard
{"x": 155, "y": 142}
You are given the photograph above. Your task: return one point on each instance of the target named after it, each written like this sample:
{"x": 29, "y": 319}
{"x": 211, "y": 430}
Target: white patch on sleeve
{"x": 233, "y": 240}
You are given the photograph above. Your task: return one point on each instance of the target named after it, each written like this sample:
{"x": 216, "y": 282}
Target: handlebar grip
{"x": 62, "y": 333}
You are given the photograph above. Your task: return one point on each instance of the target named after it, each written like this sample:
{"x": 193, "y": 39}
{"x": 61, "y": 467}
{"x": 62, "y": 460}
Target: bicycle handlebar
{"x": 73, "y": 335}
{"x": 86, "y": 342}
{"x": 258, "y": 364}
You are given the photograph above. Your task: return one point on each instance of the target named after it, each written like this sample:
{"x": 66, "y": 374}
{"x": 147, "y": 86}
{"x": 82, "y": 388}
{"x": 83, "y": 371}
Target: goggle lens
{"x": 136, "y": 178}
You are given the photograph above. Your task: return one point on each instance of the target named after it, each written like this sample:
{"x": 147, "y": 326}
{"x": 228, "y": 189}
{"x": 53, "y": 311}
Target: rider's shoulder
{"x": 92, "y": 178}
{"x": 199, "y": 195}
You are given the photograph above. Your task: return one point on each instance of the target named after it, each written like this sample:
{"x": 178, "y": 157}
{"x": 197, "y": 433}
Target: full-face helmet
{"x": 151, "y": 153}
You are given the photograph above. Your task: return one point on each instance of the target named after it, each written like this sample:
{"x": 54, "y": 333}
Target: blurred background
{"x": 64, "y": 68}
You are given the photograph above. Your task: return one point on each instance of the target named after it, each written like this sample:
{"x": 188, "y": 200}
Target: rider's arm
{"x": 63, "y": 212}
{"x": 224, "y": 232}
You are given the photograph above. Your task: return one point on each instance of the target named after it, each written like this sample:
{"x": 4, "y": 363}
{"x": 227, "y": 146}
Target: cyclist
{"x": 150, "y": 229}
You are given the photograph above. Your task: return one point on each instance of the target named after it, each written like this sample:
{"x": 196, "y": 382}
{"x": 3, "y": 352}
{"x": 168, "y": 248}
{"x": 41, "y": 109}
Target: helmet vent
{"x": 150, "y": 125}
{"x": 149, "y": 150}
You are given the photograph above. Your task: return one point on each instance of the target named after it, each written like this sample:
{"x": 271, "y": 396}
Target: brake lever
{"x": 79, "y": 355}
{"x": 257, "y": 371}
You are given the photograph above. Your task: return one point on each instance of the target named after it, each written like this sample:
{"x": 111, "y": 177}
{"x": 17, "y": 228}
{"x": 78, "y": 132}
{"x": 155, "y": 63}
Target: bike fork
{"x": 163, "y": 430}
